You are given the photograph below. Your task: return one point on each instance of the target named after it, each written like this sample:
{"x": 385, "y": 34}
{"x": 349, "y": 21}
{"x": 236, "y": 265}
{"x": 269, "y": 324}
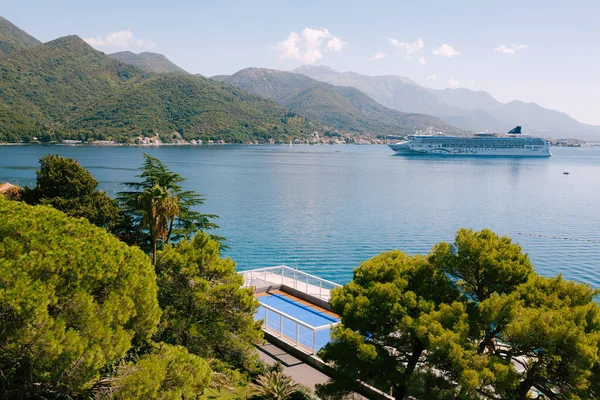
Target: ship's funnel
{"x": 516, "y": 130}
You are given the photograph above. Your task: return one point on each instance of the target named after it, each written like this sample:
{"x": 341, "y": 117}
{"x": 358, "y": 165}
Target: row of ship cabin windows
{"x": 480, "y": 147}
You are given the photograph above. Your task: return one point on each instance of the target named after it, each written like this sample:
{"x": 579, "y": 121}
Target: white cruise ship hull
{"x": 464, "y": 146}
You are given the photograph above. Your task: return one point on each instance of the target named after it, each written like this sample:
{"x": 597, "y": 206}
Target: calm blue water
{"x": 324, "y": 211}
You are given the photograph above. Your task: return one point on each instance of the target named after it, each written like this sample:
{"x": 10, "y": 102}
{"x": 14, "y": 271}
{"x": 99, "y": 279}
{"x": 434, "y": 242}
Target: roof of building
{"x": 6, "y": 187}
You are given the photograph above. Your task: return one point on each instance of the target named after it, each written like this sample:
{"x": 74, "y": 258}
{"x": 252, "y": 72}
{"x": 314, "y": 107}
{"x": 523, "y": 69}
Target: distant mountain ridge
{"x": 13, "y": 39}
{"x": 147, "y": 61}
{"x": 342, "y": 108}
{"x": 473, "y": 110}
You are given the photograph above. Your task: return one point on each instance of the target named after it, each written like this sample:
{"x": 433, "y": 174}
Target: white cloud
{"x": 453, "y": 83}
{"x": 431, "y": 77}
{"x": 336, "y": 44}
{"x": 309, "y": 46}
{"x": 408, "y": 49}
{"x": 378, "y": 56}
{"x": 422, "y": 60}
{"x": 147, "y": 44}
{"x": 512, "y": 49}
{"x": 122, "y": 38}
{"x": 445, "y": 50}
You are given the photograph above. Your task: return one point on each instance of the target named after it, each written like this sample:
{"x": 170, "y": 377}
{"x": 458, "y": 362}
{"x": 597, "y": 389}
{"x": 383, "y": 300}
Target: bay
{"x": 324, "y": 209}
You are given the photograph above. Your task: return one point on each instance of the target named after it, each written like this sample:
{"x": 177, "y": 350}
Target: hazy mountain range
{"x": 468, "y": 109}
{"x": 343, "y": 108}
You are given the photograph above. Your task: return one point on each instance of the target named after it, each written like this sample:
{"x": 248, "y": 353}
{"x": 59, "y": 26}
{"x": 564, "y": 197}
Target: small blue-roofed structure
{"x": 294, "y": 306}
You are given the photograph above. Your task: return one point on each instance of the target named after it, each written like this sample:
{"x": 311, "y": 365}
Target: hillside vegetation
{"x": 66, "y": 89}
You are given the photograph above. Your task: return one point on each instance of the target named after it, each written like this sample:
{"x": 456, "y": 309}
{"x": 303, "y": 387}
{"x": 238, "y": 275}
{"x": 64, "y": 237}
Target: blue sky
{"x": 550, "y": 56}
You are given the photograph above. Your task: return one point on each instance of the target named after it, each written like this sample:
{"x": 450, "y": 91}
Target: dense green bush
{"x": 205, "y": 307}
{"x": 65, "y": 185}
{"x": 169, "y": 372}
{"x": 73, "y": 299}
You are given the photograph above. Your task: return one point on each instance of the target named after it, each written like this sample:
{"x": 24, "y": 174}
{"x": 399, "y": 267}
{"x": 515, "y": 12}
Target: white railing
{"x": 299, "y": 334}
{"x": 284, "y": 275}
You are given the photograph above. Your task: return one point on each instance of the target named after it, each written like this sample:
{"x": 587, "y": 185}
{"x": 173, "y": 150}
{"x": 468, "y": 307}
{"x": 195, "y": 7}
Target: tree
{"x": 73, "y": 299}
{"x": 65, "y": 185}
{"x": 552, "y": 339}
{"x": 390, "y": 311}
{"x": 483, "y": 263}
{"x": 521, "y": 323}
{"x": 205, "y": 307}
{"x": 503, "y": 331}
{"x": 159, "y": 210}
{"x": 168, "y": 372}
{"x": 188, "y": 222}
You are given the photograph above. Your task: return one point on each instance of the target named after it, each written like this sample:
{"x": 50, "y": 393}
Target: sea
{"x": 325, "y": 209}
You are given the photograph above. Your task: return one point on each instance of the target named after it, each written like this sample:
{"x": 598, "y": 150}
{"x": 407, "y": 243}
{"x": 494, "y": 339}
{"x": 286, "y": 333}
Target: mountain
{"x": 13, "y": 39}
{"x": 538, "y": 120}
{"x": 467, "y": 109}
{"x": 342, "y": 108}
{"x": 466, "y": 99}
{"x": 64, "y": 89}
{"x": 146, "y": 61}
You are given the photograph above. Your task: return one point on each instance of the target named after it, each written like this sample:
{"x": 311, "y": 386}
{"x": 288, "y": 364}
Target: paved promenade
{"x": 300, "y": 371}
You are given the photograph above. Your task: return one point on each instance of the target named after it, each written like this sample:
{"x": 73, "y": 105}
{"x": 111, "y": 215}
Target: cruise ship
{"x": 512, "y": 143}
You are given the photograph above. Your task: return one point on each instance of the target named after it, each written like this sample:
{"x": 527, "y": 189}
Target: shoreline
{"x": 186, "y": 144}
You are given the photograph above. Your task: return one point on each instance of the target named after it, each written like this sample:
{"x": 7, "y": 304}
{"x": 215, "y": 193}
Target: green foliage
{"x": 65, "y": 185}
{"x": 64, "y": 89}
{"x": 483, "y": 262}
{"x": 188, "y": 221}
{"x": 159, "y": 209}
{"x": 205, "y": 307}
{"x": 275, "y": 385}
{"x": 472, "y": 318}
{"x": 390, "y": 293}
{"x": 169, "y": 372}
{"x": 72, "y": 299}
{"x": 343, "y": 108}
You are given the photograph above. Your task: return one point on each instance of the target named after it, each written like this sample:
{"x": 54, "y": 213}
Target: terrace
{"x": 294, "y": 306}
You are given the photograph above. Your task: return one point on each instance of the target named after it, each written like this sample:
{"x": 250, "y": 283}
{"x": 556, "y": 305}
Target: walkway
{"x": 300, "y": 371}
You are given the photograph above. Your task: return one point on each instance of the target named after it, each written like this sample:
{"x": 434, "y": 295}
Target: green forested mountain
{"x": 343, "y": 108}
{"x": 13, "y": 39}
{"x": 146, "y": 61}
{"x": 66, "y": 89}
{"x": 192, "y": 107}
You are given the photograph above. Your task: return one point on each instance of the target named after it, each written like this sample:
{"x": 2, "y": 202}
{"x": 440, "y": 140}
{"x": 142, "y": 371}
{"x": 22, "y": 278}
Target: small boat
{"x": 566, "y": 173}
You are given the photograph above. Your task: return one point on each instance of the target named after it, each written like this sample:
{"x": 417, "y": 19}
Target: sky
{"x": 545, "y": 52}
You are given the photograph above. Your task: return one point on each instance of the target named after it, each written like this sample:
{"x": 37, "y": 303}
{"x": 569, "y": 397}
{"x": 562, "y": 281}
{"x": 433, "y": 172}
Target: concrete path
{"x": 300, "y": 371}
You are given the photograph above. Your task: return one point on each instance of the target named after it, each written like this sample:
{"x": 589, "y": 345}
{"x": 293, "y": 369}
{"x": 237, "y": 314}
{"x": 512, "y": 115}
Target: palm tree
{"x": 159, "y": 209}
{"x": 275, "y": 385}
